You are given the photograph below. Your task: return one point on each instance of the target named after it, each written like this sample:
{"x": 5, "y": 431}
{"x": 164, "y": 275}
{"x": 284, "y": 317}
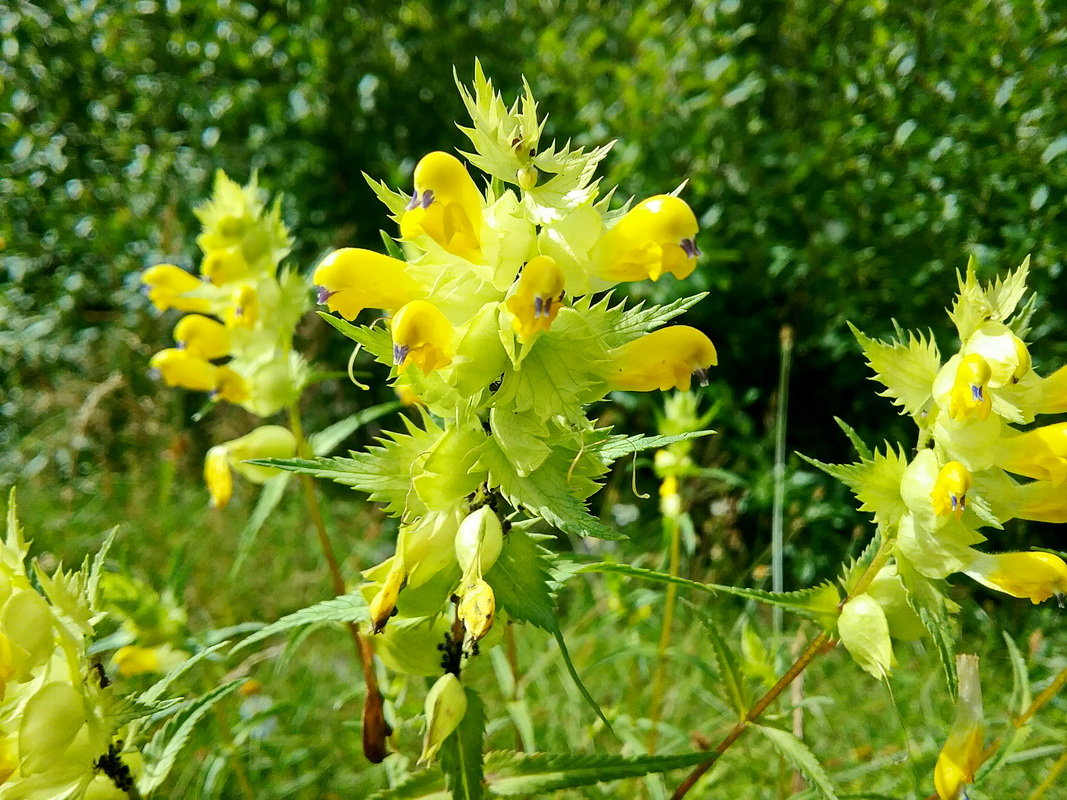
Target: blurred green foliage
{"x": 844, "y": 159}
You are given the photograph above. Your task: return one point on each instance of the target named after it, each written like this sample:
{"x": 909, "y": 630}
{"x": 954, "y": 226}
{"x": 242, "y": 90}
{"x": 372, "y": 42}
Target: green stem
{"x": 670, "y": 521}
{"x": 778, "y": 510}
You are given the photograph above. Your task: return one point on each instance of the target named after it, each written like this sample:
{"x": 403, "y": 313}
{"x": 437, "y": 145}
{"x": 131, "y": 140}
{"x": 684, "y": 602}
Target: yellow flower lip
{"x": 421, "y": 335}
{"x": 655, "y": 237}
{"x": 351, "y": 279}
{"x": 1033, "y": 575}
{"x": 664, "y": 359}
{"x": 538, "y": 297}
{"x": 969, "y": 397}
{"x": 167, "y": 285}
{"x": 949, "y": 495}
{"x": 446, "y": 206}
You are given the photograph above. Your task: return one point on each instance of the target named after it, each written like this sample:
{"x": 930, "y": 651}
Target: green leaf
{"x": 817, "y": 603}
{"x": 522, "y": 581}
{"x": 269, "y": 497}
{"x": 325, "y": 441}
{"x": 376, "y": 340}
{"x": 163, "y": 749}
{"x": 391, "y": 247}
{"x": 426, "y": 785}
{"x": 729, "y": 669}
{"x": 862, "y": 450}
{"x": 96, "y": 572}
{"x": 521, "y": 437}
{"x": 461, "y": 752}
{"x": 546, "y": 492}
{"x": 1021, "y": 697}
{"x": 906, "y": 369}
{"x": 639, "y": 320}
{"x": 800, "y": 756}
{"x": 344, "y": 608}
{"x": 526, "y": 775}
{"x": 935, "y": 611}
{"x": 154, "y": 693}
{"x": 874, "y": 481}
{"x": 618, "y": 446}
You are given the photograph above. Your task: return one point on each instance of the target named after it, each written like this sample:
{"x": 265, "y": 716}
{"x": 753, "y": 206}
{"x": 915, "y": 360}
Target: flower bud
{"x": 446, "y": 703}
{"x": 864, "y": 632}
{"x": 477, "y": 608}
{"x": 962, "y": 754}
{"x": 527, "y": 177}
{"x": 479, "y": 540}
{"x": 49, "y": 723}
{"x": 384, "y": 603}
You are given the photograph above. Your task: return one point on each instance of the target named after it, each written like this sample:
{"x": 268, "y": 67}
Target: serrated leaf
{"x": 875, "y": 482}
{"x": 375, "y": 340}
{"x": 907, "y": 370}
{"x": 800, "y": 756}
{"x": 862, "y": 450}
{"x": 426, "y": 785}
{"x": 934, "y": 610}
{"x": 326, "y": 441}
{"x": 522, "y": 438}
{"x": 395, "y": 201}
{"x": 461, "y": 753}
{"x": 545, "y": 492}
{"x": 521, "y": 580}
{"x": 640, "y": 320}
{"x": 154, "y": 693}
{"x": 344, "y": 608}
{"x": 1005, "y": 293}
{"x": 96, "y": 571}
{"x": 163, "y": 749}
{"x": 729, "y": 668}
{"x": 526, "y": 775}
{"x": 615, "y": 447}
{"x": 817, "y": 603}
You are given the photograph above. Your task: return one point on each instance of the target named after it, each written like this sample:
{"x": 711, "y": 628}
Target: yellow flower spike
{"x": 244, "y": 309}
{"x": 969, "y": 397}
{"x": 182, "y": 368}
{"x": 446, "y": 206}
{"x": 202, "y": 337}
{"x": 950, "y": 490}
{"x": 217, "y": 476}
{"x": 1040, "y": 454}
{"x": 962, "y": 754}
{"x": 655, "y": 237}
{"x": 664, "y": 359}
{"x": 167, "y": 286}
{"x": 352, "y": 279}
{"x": 230, "y": 386}
{"x": 383, "y": 606}
{"x": 538, "y": 297}
{"x": 421, "y": 335}
{"x": 1034, "y": 575}
{"x": 477, "y": 608}
{"x": 224, "y": 265}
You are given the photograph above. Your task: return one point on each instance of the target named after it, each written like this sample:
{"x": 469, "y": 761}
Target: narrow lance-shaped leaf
{"x": 800, "y": 756}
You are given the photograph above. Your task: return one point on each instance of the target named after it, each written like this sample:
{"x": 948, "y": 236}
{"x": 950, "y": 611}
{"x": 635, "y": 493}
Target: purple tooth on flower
{"x": 400, "y": 353}
{"x": 413, "y": 203}
{"x": 976, "y": 393}
{"x": 427, "y": 198}
{"x": 324, "y": 294}
{"x": 690, "y": 248}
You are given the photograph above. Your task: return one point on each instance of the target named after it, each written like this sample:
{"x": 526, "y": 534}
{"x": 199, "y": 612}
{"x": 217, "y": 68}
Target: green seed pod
{"x": 446, "y": 703}
{"x": 479, "y": 541}
{"x": 864, "y": 632}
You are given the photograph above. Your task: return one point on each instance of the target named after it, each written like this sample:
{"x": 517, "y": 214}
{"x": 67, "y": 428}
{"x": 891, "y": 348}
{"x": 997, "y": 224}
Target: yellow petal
{"x": 202, "y": 337}
{"x": 243, "y": 311}
{"x": 949, "y": 495}
{"x": 230, "y": 386}
{"x": 224, "y": 265}
{"x": 1034, "y": 575}
{"x": 167, "y": 285}
{"x": 181, "y": 368}
{"x": 351, "y": 279}
{"x": 1040, "y": 453}
{"x": 538, "y": 297}
{"x": 664, "y": 359}
{"x": 421, "y": 335}
{"x": 218, "y": 477}
{"x": 970, "y": 397}
{"x": 477, "y": 608}
{"x": 136, "y": 660}
{"x": 446, "y": 206}
{"x": 962, "y": 754}
{"x": 657, "y": 236}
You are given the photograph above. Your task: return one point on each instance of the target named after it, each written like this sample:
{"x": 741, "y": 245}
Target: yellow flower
{"x": 182, "y": 368}
{"x": 421, "y": 335}
{"x": 136, "y": 660}
{"x": 244, "y": 310}
{"x": 477, "y": 607}
{"x": 664, "y": 359}
{"x": 1040, "y": 453}
{"x": 202, "y": 337}
{"x": 266, "y": 441}
{"x": 168, "y": 285}
{"x": 230, "y": 386}
{"x": 224, "y": 265}
{"x": 969, "y": 396}
{"x": 538, "y": 297}
{"x": 950, "y": 490}
{"x": 351, "y": 279}
{"x": 962, "y": 754}
{"x": 446, "y": 206}
{"x": 1042, "y": 502}
{"x": 655, "y": 237}
{"x": 383, "y": 605}
{"x": 1034, "y": 575}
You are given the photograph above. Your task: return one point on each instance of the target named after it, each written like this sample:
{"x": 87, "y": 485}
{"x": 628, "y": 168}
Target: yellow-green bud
{"x": 446, "y": 703}
{"x": 864, "y": 632}
{"x": 477, "y": 607}
{"x": 479, "y": 541}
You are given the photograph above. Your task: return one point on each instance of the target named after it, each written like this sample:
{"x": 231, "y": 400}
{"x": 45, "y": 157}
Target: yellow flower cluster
{"x": 930, "y": 509}
{"x": 240, "y": 311}
{"x": 58, "y": 718}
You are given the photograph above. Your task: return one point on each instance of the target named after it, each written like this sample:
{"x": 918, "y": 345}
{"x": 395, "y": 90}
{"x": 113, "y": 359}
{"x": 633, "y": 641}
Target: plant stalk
{"x": 669, "y": 602}
{"x": 778, "y": 508}
{"x": 375, "y": 728}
